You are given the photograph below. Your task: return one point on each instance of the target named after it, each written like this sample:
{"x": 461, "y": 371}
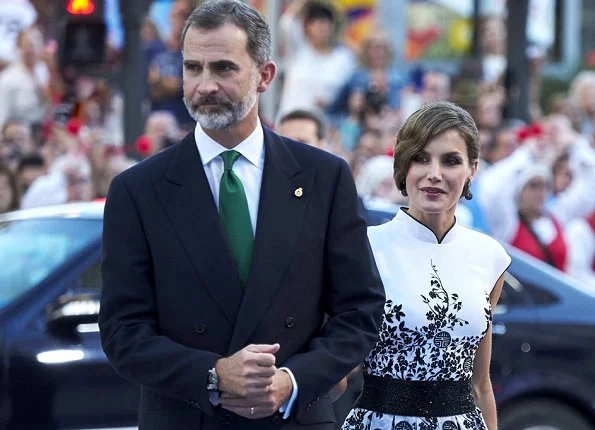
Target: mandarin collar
{"x": 421, "y": 231}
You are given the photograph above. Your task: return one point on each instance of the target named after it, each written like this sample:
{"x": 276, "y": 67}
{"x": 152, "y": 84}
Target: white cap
{"x": 531, "y": 171}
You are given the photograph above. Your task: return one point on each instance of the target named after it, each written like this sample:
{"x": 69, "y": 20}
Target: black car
{"x": 54, "y": 374}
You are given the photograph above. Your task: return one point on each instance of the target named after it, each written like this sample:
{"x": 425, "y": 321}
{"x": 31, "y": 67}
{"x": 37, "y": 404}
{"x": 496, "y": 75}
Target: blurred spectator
{"x": 435, "y": 85}
{"x": 161, "y": 131}
{"x": 580, "y": 235}
{"x": 320, "y": 66}
{"x": 151, "y": 41}
{"x": 374, "y": 76}
{"x": 376, "y": 185}
{"x": 489, "y": 110}
{"x": 560, "y": 103}
{"x": 582, "y": 92}
{"x": 24, "y": 83}
{"x": 503, "y": 143}
{"x": 9, "y": 195}
{"x": 561, "y": 174}
{"x": 68, "y": 180}
{"x": 370, "y": 143}
{"x": 165, "y": 72}
{"x": 303, "y": 126}
{"x": 514, "y": 192}
{"x": 29, "y": 169}
{"x": 16, "y": 141}
{"x": 349, "y": 128}
{"x": 493, "y": 41}
{"x": 15, "y": 16}
{"x": 152, "y": 45}
{"x": 107, "y": 161}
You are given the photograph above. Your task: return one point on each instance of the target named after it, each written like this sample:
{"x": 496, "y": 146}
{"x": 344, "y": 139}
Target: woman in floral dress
{"x": 430, "y": 367}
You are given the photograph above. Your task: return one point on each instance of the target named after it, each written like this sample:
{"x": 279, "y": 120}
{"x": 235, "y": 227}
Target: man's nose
{"x": 207, "y": 84}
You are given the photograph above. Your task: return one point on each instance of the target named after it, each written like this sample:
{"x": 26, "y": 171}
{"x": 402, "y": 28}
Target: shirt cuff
{"x": 214, "y": 397}
{"x": 287, "y": 407}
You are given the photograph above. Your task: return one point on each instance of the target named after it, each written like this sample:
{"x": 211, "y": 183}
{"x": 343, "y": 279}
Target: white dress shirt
{"x": 248, "y": 167}
{"x": 20, "y": 93}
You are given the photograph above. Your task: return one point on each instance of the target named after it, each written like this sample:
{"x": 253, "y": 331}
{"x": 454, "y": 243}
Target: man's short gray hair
{"x": 212, "y": 14}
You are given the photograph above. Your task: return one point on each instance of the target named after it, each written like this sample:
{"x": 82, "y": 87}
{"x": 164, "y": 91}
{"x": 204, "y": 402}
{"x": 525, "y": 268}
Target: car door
{"x": 64, "y": 376}
{"x": 102, "y": 398}
{"x": 513, "y": 328}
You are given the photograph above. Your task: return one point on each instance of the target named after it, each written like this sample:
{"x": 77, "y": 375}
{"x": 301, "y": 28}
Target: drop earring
{"x": 467, "y": 190}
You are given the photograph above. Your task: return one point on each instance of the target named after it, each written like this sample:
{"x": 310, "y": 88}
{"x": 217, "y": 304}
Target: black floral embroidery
{"x": 433, "y": 351}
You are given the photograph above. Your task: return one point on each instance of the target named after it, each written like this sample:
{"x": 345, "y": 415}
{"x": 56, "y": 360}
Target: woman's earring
{"x": 403, "y": 189}
{"x": 467, "y": 190}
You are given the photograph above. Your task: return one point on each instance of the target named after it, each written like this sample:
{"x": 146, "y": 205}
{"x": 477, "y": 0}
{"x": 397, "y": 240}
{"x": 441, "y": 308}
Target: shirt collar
{"x": 252, "y": 148}
{"x": 423, "y": 233}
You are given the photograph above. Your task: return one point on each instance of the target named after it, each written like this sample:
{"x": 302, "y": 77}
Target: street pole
{"x": 476, "y": 48}
{"x": 269, "y": 99}
{"x": 132, "y": 83}
{"x": 392, "y": 18}
{"x": 517, "y": 71}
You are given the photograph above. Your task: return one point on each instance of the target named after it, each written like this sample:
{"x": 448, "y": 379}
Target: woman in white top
{"x": 430, "y": 367}
{"x": 515, "y": 196}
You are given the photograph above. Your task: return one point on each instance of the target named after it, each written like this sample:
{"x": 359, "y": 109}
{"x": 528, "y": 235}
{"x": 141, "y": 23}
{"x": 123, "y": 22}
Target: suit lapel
{"x": 189, "y": 204}
{"x": 279, "y": 222}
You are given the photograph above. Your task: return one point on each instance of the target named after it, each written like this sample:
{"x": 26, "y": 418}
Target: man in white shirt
{"x": 315, "y": 73}
{"x": 24, "y": 83}
{"x": 15, "y": 15}
{"x": 224, "y": 253}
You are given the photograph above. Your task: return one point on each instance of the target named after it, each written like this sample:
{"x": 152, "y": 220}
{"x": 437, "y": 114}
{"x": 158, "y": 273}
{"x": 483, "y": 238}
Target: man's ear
{"x": 267, "y": 71}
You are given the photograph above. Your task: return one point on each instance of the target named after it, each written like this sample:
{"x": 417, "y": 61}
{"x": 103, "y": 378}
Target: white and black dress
{"x": 418, "y": 376}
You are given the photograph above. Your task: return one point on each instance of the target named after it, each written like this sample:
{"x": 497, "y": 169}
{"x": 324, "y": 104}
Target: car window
{"x": 32, "y": 249}
{"x": 518, "y": 293}
{"x": 513, "y": 294}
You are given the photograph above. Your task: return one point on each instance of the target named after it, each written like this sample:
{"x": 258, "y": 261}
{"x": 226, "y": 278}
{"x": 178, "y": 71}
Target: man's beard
{"x": 225, "y": 113}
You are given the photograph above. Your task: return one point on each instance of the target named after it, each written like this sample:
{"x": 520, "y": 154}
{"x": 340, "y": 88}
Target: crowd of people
{"x": 62, "y": 137}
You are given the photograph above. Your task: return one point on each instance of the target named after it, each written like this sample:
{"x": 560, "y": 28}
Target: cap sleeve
{"x": 501, "y": 262}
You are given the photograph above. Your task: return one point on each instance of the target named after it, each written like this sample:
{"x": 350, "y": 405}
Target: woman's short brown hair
{"x": 425, "y": 124}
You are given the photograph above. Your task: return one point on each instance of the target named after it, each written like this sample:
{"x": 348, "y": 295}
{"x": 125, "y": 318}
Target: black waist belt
{"x": 416, "y": 398}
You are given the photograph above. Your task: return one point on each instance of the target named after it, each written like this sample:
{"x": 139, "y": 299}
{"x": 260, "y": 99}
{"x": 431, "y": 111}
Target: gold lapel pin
{"x": 299, "y": 192}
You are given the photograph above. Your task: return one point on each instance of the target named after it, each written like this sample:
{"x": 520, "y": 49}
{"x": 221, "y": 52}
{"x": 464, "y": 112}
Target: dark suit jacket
{"x": 172, "y": 303}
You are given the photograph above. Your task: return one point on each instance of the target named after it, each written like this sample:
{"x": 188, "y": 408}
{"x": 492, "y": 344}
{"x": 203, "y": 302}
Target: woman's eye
{"x": 453, "y": 161}
{"x": 420, "y": 159}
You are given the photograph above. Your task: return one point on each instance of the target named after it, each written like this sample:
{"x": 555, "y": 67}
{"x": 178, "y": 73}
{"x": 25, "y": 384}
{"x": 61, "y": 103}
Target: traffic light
{"x": 83, "y": 43}
{"x": 80, "y": 7}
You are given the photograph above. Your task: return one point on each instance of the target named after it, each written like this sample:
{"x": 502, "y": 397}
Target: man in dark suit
{"x": 224, "y": 253}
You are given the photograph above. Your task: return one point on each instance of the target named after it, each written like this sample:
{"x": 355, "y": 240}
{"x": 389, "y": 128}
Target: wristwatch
{"x": 213, "y": 381}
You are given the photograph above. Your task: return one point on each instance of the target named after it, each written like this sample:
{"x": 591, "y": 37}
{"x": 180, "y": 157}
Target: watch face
{"x": 213, "y": 383}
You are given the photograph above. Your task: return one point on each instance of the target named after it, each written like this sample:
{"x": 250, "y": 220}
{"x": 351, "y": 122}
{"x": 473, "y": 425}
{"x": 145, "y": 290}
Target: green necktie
{"x": 235, "y": 216}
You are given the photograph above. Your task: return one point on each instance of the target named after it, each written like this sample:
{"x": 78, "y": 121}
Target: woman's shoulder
{"x": 486, "y": 249}
{"x": 480, "y": 240}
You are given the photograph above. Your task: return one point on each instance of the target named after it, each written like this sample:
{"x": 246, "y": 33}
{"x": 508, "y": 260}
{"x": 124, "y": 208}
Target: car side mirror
{"x": 71, "y": 310}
